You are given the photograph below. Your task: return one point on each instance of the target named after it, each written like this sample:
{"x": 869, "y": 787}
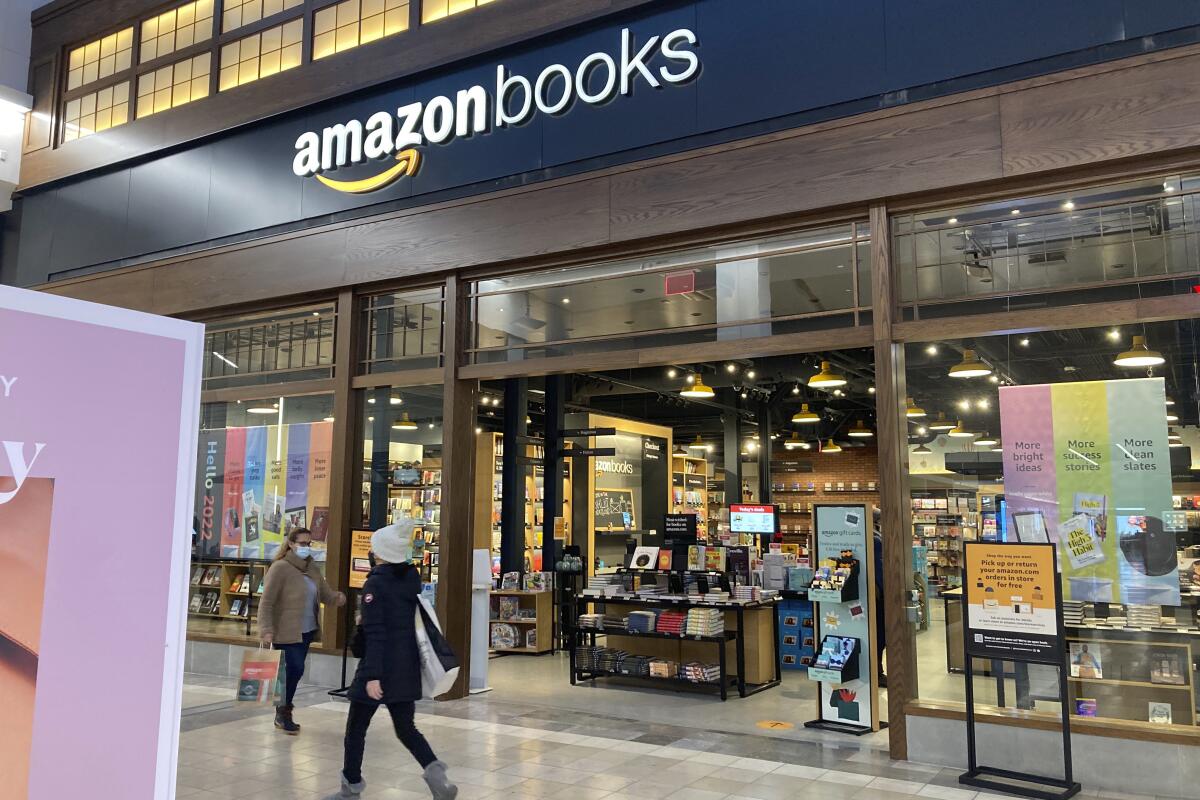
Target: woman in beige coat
{"x": 289, "y": 611}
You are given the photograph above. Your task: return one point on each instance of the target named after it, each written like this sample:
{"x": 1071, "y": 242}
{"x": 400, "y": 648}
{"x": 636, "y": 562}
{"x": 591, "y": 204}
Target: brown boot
{"x": 283, "y": 720}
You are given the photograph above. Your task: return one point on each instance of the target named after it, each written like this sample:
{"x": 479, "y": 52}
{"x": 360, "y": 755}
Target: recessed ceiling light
{"x": 994, "y": 378}
{"x": 395, "y": 400}
{"x": 479, "y": 430}
{"x": 751, "y": 374}
{"x": 932, "y": 350}
{"x": 1024, "y": 343}
{"x": 1015, "y": 211}
{"x": 1167, "y": 187}
{"x": 1068, "y": 206}
{"x": 952, "y": 221}
{"x": 744, "y": 395}
{"x": 731, "y": 368}
{"x": 567, "y": 300}
{"x": 672, "y": 372}
{"x": 982, "y": 403}
{"x": 1114, "y": 334}
{"x": 964, "y": 405}
{"x": 921, "y": 431}
{"x": 870, "y": 390}
{"x": 371, "y": 400}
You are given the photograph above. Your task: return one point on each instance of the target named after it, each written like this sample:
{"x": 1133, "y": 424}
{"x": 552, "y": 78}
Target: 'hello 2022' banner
{"x": 1087, "y": 466}
{"x": 255, "y": 485}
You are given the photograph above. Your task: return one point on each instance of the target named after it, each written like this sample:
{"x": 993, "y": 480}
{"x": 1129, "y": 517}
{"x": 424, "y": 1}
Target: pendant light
{"x": 698, "y": 390}
{"x": 860, "y": 431}
{"x": 998, "y": 447}
{"x": 826, "y": 378}
{"x": 912, "y": 410}
{"x": 831, "y": 447}
{"x": 262, "y": 410}
{"x": 986, "y": 441}
{"x": 941, "y": 424}
{"x": 794, "y": 441}
{"x": 698, "y": 444}
{"x": 1139, "y": 355}
{"x": 1172, "y": 416}
{"x": 970, "y": 366}
{"x": 1173, "y": 435}
{"x": 804, "y": 416}
{"x": 1170, "y": 402}
{"x": 922, "y": 449}
{"x": 404, "y": 423}
{"x": 961, "y": 431}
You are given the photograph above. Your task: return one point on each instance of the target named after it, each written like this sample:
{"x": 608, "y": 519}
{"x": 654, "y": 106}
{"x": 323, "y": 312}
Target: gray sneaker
{"x": 349, "y": 790}
{"x": 439, "y": 783}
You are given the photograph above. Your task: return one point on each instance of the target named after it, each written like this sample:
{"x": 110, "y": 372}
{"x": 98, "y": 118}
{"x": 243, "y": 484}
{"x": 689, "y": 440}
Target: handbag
{"x": 261, "y": 678}
{"x": 439, "y": 665}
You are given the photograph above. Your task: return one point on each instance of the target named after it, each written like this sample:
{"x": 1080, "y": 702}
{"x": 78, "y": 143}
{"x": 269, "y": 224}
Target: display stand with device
{"x": 843, "y": 596}
{"x": 1013, "y": 612}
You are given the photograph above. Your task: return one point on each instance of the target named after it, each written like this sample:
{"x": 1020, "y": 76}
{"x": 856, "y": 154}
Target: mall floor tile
{"x": 594, "y": 744}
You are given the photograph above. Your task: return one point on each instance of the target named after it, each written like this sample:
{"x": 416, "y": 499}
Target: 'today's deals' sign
{"x": 1090, "y": 462}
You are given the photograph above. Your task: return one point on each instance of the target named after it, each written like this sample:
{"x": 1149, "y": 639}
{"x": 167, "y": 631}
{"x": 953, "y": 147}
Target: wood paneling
{"x": 837, "y": 166}
{"x": 458, "y": 478}
{"x": 420, "y": 49}
{"x": 893, "y": 490}
{"x": 345, "y": 465}
{"x": 1097, "y": 118}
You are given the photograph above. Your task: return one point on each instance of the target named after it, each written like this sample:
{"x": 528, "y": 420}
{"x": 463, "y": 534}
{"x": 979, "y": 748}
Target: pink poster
{"x": 93, "y": 401}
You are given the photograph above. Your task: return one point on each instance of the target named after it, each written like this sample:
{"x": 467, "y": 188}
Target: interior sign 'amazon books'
{"x": 1012, "y": 602}
{"x": 598, "y": 79}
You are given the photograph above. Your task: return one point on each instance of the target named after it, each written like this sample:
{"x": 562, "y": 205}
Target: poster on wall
{"x": 1012, "y": 602}
{"x": 1087, "y": 466}
{"x": 255, "y": 485}
{"x": 843, "y": 629}
{"x": 63, "y": 465}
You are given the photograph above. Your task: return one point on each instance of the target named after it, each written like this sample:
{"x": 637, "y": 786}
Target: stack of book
{"x": 1073, "y": 612}
{"x": 610, "y": 659}
{"x": 586, "y": 658}
{"x": 746, "y": 593}
{"x": 662, "y": 668}
{"x": 640, "y": 622}
{"x": 604, "y": 585}
{"x": 672, "y": 622}
{"x": 705, "y": 622}
{"x": 591, "y": 621}
{"x": 700, "y": 673}
{"x": 1143, "y": 616}
{"x": 635, "y": 665}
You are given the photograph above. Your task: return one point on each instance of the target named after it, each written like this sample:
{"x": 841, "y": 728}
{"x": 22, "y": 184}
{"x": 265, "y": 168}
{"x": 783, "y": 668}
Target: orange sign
{"x": 360, "y": 563}
{"x": 1012, "y": 599}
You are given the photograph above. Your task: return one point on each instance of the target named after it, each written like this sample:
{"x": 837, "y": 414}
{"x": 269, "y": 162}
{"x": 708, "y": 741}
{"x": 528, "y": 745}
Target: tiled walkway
{"x": 498, "y": 749}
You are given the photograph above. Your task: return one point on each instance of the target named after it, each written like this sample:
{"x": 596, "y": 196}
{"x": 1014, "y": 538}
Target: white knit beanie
{"x": 394, "y": 544}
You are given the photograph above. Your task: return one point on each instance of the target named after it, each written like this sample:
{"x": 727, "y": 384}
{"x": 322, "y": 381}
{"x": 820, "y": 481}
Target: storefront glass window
{"x": 291, "y": 345}
{"x": 1104, "y": 243}
{"x": 262, "y": 54}
{"x": 263, "y": 469}
{"x": 1086, "y": 438}
{"x": 814, "y": 280}
{"x": 403, "y": 330}
{"x": 402, "y": 468}
{"x": 346, "y": 25}
{"x": 432, "y": 10}
{"x": 99, "y": 59}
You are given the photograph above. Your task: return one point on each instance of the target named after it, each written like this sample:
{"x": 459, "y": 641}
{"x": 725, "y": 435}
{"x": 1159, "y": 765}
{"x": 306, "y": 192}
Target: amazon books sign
{"x": 397, "y": 135}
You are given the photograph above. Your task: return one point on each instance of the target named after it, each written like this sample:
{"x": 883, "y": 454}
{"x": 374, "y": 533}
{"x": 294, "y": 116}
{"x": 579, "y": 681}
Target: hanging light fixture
{"x": 970, "y": 366}
{"x": 941, "y": 424}
{"x": 860, "y": 431}
{"x": 794, "y": 441}
{"x": 826, "y": 378}
{"x": 922, "y": 449}
{"x": 1173, "y": 435}
{"x": 998, "y": 447}
{"x": 697, "y": 389}
{"x": 961, "y": 431}
{"x": 1170, "y": 402}
{"x": 698, "y": 444}
{"x": 986, "y": 441}
{"x": 1139, "y": 355}
{"x": 404, "y": 423}
{"x": 912, "y": 410}
{"x": 1172, "y": 416}
{"x": 804, "y": 416}
{"x": 831, "y": 447}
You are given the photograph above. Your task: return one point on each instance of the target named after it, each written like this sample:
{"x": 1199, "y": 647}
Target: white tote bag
{"x": 439, "y": 665}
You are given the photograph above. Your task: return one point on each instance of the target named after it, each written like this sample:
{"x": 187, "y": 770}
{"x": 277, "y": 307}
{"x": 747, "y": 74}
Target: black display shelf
{"x": 728, "y": 636}
{"x": 721, "y": 684}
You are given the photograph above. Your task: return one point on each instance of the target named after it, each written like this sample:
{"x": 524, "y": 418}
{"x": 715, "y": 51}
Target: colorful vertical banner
{"x": 274, "y": 495}
{"x": 210, "y": 493}
{"x": 1087, "y": 466}
{"x": 295, "y": 509}
{"x": 231, "y": 510}
{"x": 320, "y": 451}
{"x": 252, "y": 492}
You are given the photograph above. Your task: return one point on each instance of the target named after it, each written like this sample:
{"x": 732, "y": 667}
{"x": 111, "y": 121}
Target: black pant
{"x": 406, "y": 731}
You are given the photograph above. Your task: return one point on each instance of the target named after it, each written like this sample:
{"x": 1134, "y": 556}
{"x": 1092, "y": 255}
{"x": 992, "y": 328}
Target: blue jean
{"x": 294, "y": 656}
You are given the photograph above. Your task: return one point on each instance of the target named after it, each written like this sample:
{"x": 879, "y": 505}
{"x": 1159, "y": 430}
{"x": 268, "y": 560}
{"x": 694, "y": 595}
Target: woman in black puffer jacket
{"x": 389, "y": 668}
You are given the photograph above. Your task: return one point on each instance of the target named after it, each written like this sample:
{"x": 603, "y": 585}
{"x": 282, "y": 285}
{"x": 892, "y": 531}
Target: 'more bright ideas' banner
{"x": 1087, "y": 465}
{"x": 255, "y": 485}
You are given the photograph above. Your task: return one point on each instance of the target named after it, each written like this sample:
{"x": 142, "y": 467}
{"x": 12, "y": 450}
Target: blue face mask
{"x": 304, "y": 551}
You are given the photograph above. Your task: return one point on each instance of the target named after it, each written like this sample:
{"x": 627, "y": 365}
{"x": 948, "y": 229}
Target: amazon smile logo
{"x": 598, "y": 79}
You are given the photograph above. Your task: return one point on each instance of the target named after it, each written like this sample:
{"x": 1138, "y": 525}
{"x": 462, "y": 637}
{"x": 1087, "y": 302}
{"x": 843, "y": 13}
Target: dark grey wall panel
{"x": 251, "y": 184}
{"x": 168, "y": 200}
{"x": 1146, "y": 17}
{"x": 89, "y": 222}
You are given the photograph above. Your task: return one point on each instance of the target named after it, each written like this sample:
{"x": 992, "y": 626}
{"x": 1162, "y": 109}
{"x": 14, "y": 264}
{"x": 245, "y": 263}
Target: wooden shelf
{"x": 513, "y": 621}
{"x": 1140, "y": 684}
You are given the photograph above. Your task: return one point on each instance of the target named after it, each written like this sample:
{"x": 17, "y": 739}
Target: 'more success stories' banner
{"x": 1087, "y": 466}
{"x": 255, "y": 485}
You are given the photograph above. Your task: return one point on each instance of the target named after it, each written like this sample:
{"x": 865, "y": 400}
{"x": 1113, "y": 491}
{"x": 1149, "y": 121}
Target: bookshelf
{"x": 689, "y": 489}
{"x": 226, "y": 590}
{"x": 799, "y": 482}
{"x": 942, "y": 520}
{"x": 520, "y": 622}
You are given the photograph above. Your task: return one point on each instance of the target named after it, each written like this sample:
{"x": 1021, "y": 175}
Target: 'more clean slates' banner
{"x": 1087, "y": 466}
{"x": 254, "y": 485}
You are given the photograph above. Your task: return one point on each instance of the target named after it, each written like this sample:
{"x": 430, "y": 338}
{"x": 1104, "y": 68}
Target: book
{"x": 197, "y": 574}
{"x": 531, "y": 639}
{"x": 511, "y": 580}
{"x": 664, "y": 559}
{"x": 695, "y": 557}
{"x": 714, "y": 559}
{"x": 235, "y": 608}
{"x": 1085, "y": 661}
{"x": 1166, "y": 667}
{"x": 1085, "y": 706}
{"x": 644, "y": 558}
{"x": 194, "y": 606}
{"x": 739, "y": 562}
{"x": 509, "y": 606}
{"x": 320, "y": 523}
{"x": 1159, "y": 713}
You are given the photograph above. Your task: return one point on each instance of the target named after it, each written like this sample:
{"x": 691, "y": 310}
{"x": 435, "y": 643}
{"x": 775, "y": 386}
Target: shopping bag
{"x": 439, "y": 665}
{"x": 261, "y": 678}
